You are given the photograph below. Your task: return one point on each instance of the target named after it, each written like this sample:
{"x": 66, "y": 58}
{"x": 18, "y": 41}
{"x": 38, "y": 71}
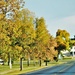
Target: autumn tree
{"x": 62, "y": 37}
{"x": 42, "y": 36}
{"x": 8, "y": 9}
{"x": 50, "y": 49}
{"x": 3, "y": 40}
{"x": 25, "y": 34}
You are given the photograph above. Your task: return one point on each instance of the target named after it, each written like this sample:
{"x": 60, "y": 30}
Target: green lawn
{"x": 4, "y": 69}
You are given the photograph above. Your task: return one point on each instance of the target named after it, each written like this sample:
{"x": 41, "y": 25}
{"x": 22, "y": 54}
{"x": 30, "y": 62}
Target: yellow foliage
{"x": 18, "y": 48}
{"x": 2, "y": 36}
{"x": 1, "y": 16}
{"x": 2, "y": 3}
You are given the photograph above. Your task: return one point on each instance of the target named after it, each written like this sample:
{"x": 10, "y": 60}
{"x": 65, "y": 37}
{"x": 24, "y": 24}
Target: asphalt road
{"x": 64, "y": 69}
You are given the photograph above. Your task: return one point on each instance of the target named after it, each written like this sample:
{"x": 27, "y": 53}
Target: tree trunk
{"x": 21, "y": 64}
{"x": 46, "y": 63}
{"x": 10, "y": 63}
{"x": 28, "y": 61}
{"x": 40, "y": 61}
{"x": 58, "y": 54}
{"x": 8, "y": 59}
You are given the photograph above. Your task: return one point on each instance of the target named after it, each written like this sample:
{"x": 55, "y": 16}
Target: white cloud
{"x": 67, "y": 23}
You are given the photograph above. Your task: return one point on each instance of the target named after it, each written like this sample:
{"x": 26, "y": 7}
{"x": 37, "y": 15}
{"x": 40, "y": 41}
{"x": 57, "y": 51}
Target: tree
{"x": 24, "y": 34}
{"x": 42, "y": 37}
{"x": 18, "y": 30}
{"x": 8, "y": 9}
{"x": 41, "y": 31}
{"x": 51, "y": 53}
{"x": 62, "y": 37}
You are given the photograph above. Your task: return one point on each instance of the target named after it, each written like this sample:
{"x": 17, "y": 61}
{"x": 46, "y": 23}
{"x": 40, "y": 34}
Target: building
{"x": 65, "y": 53}
{"x": 72, "y": 52}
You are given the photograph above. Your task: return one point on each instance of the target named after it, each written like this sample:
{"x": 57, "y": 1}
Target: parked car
{"x": 1, "y": 62}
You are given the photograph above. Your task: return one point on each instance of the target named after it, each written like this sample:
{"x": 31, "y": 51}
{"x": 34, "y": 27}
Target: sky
{"x": 58, "y": 14}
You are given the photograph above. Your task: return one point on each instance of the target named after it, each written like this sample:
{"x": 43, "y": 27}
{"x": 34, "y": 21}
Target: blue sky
{"x": 58, "y": 14}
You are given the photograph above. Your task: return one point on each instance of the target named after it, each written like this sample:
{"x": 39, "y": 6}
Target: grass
{"x": 15, "y": 70}
{"x": 25, "y": 70}
{"x": 4, "y": 69}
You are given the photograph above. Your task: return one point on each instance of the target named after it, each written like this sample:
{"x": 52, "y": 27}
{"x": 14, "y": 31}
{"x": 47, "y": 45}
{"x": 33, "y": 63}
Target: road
{"x": 64, "y": 69}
